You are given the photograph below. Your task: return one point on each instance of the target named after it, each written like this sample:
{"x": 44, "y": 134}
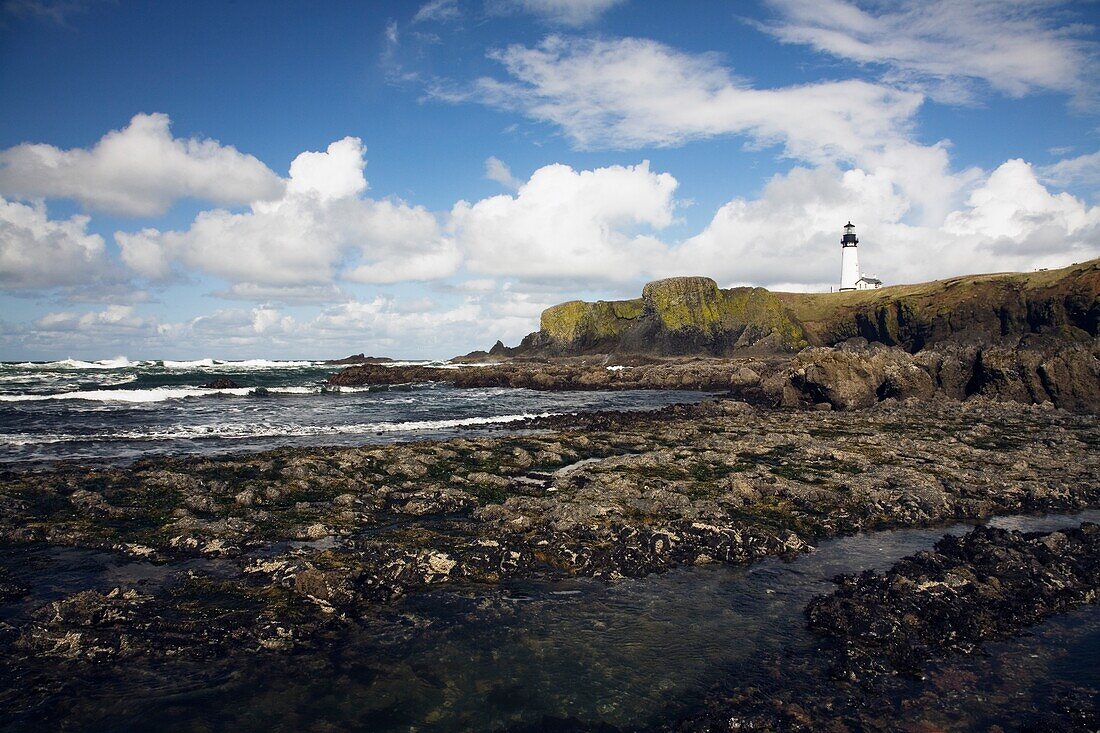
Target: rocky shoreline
{"x": 275, "y": 552}
{"x": 906, "y": 649}
{"x": 853, "y": 375}
{"x": 987, "y": 585}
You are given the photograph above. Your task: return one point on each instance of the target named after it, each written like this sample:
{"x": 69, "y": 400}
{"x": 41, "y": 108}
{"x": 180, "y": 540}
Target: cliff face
{"x": 682, "y": 315}
{"x": 692, "y": 315}
{"x": 1063, "y": 303}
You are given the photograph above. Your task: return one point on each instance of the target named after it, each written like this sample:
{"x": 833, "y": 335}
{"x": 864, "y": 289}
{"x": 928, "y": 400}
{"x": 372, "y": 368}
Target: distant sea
{"x": 118, "y": 410}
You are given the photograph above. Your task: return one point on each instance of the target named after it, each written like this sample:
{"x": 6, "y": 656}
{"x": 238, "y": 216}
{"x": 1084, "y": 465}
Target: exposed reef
{"x": 987, "y": 585}
{"x": 909, "y": 648}
{"x": 270, "y": 553}
{"x": 851, "y": 376}
{"x": 605, "y": 495}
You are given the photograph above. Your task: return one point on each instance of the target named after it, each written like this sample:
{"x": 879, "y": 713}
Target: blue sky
{"x": 493, "y": 157}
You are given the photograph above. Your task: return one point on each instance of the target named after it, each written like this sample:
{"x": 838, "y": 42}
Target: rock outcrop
{"x": 986, "y": 585}
{"x": 680, "y": 315}
{"x": 851, "y": 376}
{"x": 857, "y": 375}
{"x": 692, "y": 315}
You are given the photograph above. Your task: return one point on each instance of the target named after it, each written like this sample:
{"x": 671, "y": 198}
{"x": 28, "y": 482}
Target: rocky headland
{"x": 1028, "y": 338}
{"x": 693, "y": 316}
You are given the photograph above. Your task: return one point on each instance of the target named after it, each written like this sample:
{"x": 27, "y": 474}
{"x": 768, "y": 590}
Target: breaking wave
{"x": 266, "y": 430}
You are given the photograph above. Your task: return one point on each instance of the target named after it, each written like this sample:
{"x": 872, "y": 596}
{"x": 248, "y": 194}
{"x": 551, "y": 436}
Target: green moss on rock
{"x": 577, "y": 320}
{"x": 692, "y": 306}
{"x": 685, "y": 302}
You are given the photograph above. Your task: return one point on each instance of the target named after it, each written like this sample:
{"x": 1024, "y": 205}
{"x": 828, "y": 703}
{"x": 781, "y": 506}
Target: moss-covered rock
{"x": 692, "y": 315}
{"x": 577, "y": 320}
{"x": 685, "y": 302}
{"x": 680, "y": 315}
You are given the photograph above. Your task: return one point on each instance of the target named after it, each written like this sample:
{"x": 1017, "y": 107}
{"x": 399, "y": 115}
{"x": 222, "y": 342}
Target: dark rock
{"x": 986, "y": 585}
{"x": 221, "y": 383}
{"x": 361, "y": 358}
{"x": 10, "y": 589}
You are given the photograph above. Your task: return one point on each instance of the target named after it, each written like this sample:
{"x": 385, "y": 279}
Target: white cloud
{"x": 790, "y": 236}
{"x": 321, "y": 230}
{"x": 1016, "y": 47}
{"x": 497, "y": 170}
{"x": 37, "y": 252}
{"x": 333, "y": 174}
{"x": 563, "y": 12}
{"x": 57, "y": 11}
{"x": 1084, "y": 169}
{"x": 1012, "y": 214}
{"x": 567, "y": 223}
{"x": 630, "y": 93}
{"x": 285, "y": 294}
{"x": 138, "y": 170}
{"x": 439, "y": 11}
{"x": 116, "y": 319}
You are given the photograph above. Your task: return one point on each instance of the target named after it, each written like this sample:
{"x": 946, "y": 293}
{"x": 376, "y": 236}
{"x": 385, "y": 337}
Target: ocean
{"x": 117, "y": 410}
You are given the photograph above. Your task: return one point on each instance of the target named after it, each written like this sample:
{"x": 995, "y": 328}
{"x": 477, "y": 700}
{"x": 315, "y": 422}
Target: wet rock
{"x": 221, "y": 383}
{"x": 986, "y": 585}
{"x": 11, "y": 589}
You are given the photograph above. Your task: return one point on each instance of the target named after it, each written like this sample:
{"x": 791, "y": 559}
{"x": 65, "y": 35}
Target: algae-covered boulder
{"x": 578, "y": 321}
{"x": 685, "y": 302}
{"x": 676, "y": 316}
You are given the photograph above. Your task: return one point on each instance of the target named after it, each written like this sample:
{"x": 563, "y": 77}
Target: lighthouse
{"x": 850, "y": 277}
{"x": 849, "y": 258}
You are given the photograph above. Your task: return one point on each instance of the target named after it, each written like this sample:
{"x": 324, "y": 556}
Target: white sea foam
{"x": 119, "y": 362}
{"x": 245, "y": 365}
{"x": 156, "y": 394}
{"x": 162, "y": 394}
{"x": 197, "y": 364}
{"x": 266, "y": 430}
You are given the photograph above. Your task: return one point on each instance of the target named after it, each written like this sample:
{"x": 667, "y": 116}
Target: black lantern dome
{"x": 849, "y": 239}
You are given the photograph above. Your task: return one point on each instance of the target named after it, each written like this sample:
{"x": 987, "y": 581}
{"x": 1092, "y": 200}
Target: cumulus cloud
{"x": 567, "y": 223}
{"x": 319, "y": 231}
{"x": 561, "y": 12}
{"x": 497, "y": 170}
{"x": 333, "y": 174}
{"x": 1014, "y": 216}
{"x": 631, "y": 93}
{"x": 239, "y": 324}
{"x": 788, "y": 238}
{"x": 944, "y": 46}
{"x": 137, "y": 171}
{"x": 37, "y": 252}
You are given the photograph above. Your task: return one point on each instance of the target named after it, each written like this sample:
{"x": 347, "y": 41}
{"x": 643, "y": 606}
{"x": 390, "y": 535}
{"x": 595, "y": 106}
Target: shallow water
{"x": 632, "y": 653}
{"x": 121, "y": 410}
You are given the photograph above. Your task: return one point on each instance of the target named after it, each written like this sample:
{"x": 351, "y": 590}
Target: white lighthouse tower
{"x": 850, "y": 277}
{"x": 849, "y": 258}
